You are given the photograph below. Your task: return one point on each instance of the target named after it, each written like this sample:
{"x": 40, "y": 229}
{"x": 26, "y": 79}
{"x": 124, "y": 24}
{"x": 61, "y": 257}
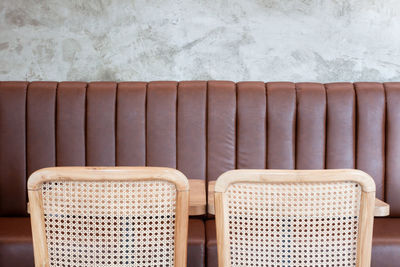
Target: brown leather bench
{"x": 203, "y": 129}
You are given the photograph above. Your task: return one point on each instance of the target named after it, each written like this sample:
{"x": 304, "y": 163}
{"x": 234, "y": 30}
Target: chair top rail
{"x": 102, "y": 174}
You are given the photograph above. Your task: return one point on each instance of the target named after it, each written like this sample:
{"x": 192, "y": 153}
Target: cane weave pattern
{"x": 110, "y": 223}
{"x": 293, "y": 224}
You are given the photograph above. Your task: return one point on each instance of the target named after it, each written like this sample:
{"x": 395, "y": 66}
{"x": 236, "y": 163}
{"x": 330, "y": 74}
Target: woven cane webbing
{"x": 296, "y": 224}
{"x": 110, "y": 223}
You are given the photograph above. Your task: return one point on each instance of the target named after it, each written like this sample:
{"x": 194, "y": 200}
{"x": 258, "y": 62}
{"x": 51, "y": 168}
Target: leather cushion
{"x": 196, "y": 243}
{"x": 16, "y": 242}
{"x": 386, "y": 242}
{"x": 211, "y": 244}
{"x": 385, "y": 250}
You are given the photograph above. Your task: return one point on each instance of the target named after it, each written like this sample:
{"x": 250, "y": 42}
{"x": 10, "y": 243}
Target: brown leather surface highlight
{"x": 161, "y": 124}
{"x": 196, "y": 243}
{"x": 192, "y": 129}
{"x": 12, "y": 148}
{"x": 392, "y": 182}
{"x": 251, "y": 125}
{"x": 341, "y": 126}
{"x": 221, "y": 135}
{"x": 371, "y": 132}
{"x": 100, "y": 124}
{"x": 131, "y": 124}
{"x": 70, "y": 124}
{"x": 311, "y": 126}
{"x": 281, "y": 125}
{"x": 15, "y": 229}
{"x": 211, "y": 244}
{"x": 16, "y": 248}
{"x": 386, "y": 242}
{"x": 40, "y": 126}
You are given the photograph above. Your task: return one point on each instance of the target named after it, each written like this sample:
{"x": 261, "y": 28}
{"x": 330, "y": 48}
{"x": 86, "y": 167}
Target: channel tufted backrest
{"x": 201, "y": 128}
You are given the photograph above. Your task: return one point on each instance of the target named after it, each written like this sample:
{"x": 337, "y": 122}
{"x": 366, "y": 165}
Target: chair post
{"x": 181, "y": 228}
{"x": 38, "y": 228}
{"x": 365, "y": 229}
{"x": 221, "y": 223}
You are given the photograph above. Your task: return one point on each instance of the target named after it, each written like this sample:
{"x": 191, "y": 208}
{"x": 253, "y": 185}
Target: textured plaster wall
{"x": 269, "y": 40}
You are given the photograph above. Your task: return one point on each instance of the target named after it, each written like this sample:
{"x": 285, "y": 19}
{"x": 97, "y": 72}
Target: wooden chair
{"x": 109, "y": 216}
{"x": 294, "y": 218}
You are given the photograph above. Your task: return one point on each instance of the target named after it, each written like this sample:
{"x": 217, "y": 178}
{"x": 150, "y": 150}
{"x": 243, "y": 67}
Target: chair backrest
{"x": 134, "y": 216}
{"x": 294, "y": 217}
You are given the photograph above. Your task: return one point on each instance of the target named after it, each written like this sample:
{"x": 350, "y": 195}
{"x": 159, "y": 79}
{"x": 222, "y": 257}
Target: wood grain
{"x": 382, "y": 209}
{"x": 197, "y": 197}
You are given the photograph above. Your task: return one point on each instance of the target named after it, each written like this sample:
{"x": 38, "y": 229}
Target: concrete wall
{"x": 269, "y": 40}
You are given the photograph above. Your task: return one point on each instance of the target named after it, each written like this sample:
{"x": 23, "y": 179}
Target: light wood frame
{"x": 107, "y": 174}
{"x": 382, "y": 209}
{"x": 366, "y": 216}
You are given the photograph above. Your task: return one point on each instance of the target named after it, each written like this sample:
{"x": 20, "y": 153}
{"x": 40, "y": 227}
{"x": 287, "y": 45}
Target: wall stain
{"x": 20, "y": 17}
{"x": 106, "y": 74}
{"x": 19, "y": 48}
{"x": 70, "y": 47}
{"x": 16, "y": 17}
{"x": 91, "y": 8}
{"x": 45, "y": 51}
{"x": 4, "y": 46}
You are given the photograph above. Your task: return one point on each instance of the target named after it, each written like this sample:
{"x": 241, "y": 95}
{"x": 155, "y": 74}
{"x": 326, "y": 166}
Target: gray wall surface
{"x": 268, "y": 40}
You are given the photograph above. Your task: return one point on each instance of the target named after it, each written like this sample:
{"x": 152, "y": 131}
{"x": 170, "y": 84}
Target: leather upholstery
{"x": 221, "y": 128}
{"x": 16, "y": 242}
{"x": 371, "y": 132}
{"x": 203, "y": 129}
{"x": 341, "y": 130}
{"x": 386, "y": 242}
{"x": 161, "y": 124}
{"x": 311, "y": 122}
{"x": 251, "y": 125}
{"x": 13, "y": 148}
{"x": 100, "y": 124}
{"x": 70, "y": 124}
{"x": 392, "y": 181}
{"x": 191, "y": 129}
{"x": 131, "y": 118}
{"x": 281, "y": 125}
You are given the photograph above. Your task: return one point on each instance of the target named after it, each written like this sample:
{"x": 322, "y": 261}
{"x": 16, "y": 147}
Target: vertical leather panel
{"x": 311, "y": 124}
{"x": 41, "y": 132}
{"x": 12, "y": 148}
{"x": 70, "y": 124}
{"x": 221, "y": 143}
{"x": 341, "y": 125}
{"x": 371, "y": 132}
{"x": 100, "y": 124}
{"x": 161, "y": 124}
{"x": 251, "y": 125}
{"x": 131, "y": 124}
{"x": 192, "y": 107}
{"x": 281, "y": 125}
{"x": 393, "y": 147}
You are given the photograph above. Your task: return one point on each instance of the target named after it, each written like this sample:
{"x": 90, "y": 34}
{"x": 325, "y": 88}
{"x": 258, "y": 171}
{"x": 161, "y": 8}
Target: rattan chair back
{"x": 109, "y": 216}
{"x": 294, "y": 218}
